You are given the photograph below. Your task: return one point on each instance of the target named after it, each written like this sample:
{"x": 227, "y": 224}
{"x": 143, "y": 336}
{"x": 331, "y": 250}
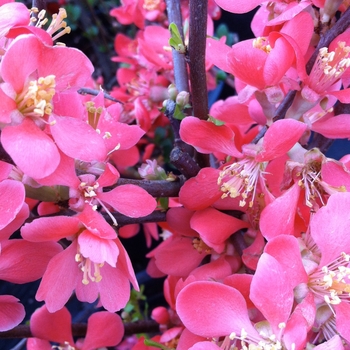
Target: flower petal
{"x": 276, "y": 301}
{"x": 224, "y": 308}
{"x": 12, "y": 196}
{"x": 31, "y": 149}
{"x": 23, "y": 262}
{"x": 130, "y": 200}
{"x": 50, "y": 229}
{"x": 207, "y": 137}
{"x": 280, "y": 138}
{"x": 77, "y": 139}
{"x": 54, "y": 326}
{"x": 103, "y": 329}
{"x": 11, "y": 312}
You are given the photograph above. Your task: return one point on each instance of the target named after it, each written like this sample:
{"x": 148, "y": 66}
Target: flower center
{"x": 265, "y": 342}
{"x": 241, "y": 179}
{"x": 89, "y": 193}
{"x": 262, "y": 43}
{"x": 328, "y": 68}
{"x": 151, "y": 5}
{"x": 332, "y": 282}
{"x": 200, "y": 246}
{"x": 35, "y": 102}
{"x": 94, "y": 114}
{"x": 91, "y": 270}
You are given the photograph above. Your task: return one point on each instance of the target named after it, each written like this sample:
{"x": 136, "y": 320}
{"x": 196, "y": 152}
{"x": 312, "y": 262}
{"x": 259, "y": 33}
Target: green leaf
{"x": 150, "y": 342}
{"x": 215, "y": 121}
{"x": 164, "y": 202}
{"x": 178, "y": 114}
{"x": 175, "y": 40}
{"x": 220, "y": 76}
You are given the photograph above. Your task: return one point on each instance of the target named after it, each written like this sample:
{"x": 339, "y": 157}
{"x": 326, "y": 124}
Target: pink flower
{"x": 227, "y": 319}
{"x": 324, "y": 81}
{"x": 94, "y": 265}
{"x": 29, "y": 101}
{"x": 316, "y": 266}
{"x": 136, "y": 11}
{"x": 262, "y": 63}
{"x": 241, "y": 178}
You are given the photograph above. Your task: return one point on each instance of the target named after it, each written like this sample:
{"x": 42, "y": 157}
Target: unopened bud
{"x": 172, "y": 92}
{"x": 329, "y": 9}
{"x": 182, "y": 99}
{"x": 152, "y": 171}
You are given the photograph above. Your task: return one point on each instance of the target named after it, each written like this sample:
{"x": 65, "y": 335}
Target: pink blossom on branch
{"x": 241, "y": 178}
{"x": 30, "y": 90}
{"x": 94, "y": 265}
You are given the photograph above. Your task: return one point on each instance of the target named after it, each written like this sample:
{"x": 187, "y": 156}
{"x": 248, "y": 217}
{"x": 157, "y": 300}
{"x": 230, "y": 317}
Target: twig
{"x": 180, "y": 156}
{"x": 196, "y": 50}
{"x": 180, "y": 68}
{"x": 122, "y": 220}
{"x": 156, "y": 188}
{"x": 85, "y": 91}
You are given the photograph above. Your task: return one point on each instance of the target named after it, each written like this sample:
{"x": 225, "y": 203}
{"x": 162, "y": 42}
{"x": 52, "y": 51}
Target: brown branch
{"x": 180, "y": 156}
{"x": 122, "y": 220}
{"x": 196, "y": 50}
{"x": 156, "y": 188}
{"x": 79, "y": 330}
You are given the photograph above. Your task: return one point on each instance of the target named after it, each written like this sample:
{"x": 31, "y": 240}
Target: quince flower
{"x": 94, "y": 265}
{"x": 33, "y": 91}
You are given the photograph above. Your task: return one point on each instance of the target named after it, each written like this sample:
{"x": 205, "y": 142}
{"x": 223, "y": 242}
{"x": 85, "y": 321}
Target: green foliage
{"x": 155, "y": 344}
{"x": 176, "y": 41}
{"x": 223, "y": 31}
{"x": 215, "y": 121}
{"x": 133, "y": 311}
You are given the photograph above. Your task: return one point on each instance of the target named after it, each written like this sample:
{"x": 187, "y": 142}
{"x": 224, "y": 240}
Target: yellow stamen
{"x": 151, "y": 5}
{"x": 35, "y": 101}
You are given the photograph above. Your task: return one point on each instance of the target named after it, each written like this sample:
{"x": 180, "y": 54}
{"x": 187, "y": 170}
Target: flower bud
{"x": 161, "y": 315}
{"x": 172, "y": 92}
{"x": 182, "y": 99}
{"x": 152, "y": 171}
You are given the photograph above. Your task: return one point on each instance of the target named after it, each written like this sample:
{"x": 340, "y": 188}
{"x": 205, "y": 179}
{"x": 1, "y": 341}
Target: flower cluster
{"x": 253, "y": 216}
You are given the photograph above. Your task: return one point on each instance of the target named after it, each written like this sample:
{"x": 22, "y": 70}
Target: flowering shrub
{"x": 251, "y": 216}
